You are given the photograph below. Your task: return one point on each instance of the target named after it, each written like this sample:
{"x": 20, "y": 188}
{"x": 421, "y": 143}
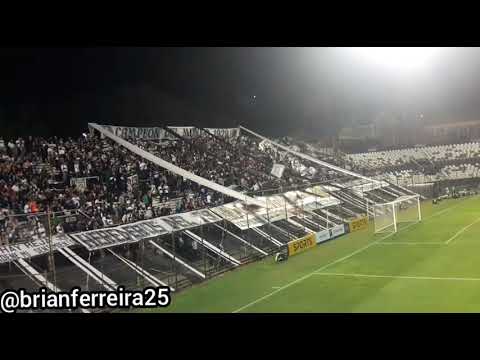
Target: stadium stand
{"x": 419, "y": 160}
{"x": 54, "y": 187}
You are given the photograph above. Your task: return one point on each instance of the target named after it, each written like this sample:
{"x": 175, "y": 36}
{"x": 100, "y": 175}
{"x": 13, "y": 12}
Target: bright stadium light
{"x": 399, "y": 58}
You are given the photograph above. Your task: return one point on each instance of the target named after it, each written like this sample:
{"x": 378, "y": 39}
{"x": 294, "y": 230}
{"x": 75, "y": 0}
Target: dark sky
{"x": 297, "y": 90}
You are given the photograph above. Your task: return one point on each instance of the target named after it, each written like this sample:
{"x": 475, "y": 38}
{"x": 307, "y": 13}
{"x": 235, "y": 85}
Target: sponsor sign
{"x": 358, "y": 224}
{"x": 30, "y": 249}
{"x": 300, "y": 245}
{"x": 322, "y": 236}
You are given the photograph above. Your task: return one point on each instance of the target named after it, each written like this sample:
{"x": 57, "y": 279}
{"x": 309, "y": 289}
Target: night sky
{"x": 277, "y": 91}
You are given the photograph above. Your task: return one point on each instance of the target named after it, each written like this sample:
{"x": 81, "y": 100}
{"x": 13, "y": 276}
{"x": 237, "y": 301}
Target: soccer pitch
{"x": 431, "y": 266}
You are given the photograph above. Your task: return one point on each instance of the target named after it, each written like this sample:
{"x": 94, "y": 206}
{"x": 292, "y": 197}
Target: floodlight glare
{"x": 400, "y": 58}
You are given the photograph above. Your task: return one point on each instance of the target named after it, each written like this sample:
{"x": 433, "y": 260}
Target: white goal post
{"x": 388, "y": 216}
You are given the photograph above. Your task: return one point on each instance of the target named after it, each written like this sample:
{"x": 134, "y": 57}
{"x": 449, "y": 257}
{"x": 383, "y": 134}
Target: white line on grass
{"x": 445, "y": 210}
{"x": 327, "y": 265}
{"x": 461, "y": 231}
{"x": 313, "y": 272}
{"x": 410, "y": 243}
{"x": 448, "y": 209}
{"x": 400, "y": 277}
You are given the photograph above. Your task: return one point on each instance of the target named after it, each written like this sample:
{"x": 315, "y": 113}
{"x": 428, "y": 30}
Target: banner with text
{"x": 358, "y": 224}
{"x": 224, "y": 133}
{"x": 300, "y": 245}
{"x": 30, "y": 249}
{"x": 186, "y": 131}
{"x": 104, "y": 238}
{"x": 137, "y": 133}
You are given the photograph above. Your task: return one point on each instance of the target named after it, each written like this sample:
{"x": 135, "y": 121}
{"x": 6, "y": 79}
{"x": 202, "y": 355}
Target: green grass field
{"x": 432, "y": 266}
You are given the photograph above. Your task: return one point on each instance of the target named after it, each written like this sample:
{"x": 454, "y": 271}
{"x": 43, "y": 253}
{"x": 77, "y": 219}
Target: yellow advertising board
{"x": 297, "y": 246}
{"x": 359, "y": 224}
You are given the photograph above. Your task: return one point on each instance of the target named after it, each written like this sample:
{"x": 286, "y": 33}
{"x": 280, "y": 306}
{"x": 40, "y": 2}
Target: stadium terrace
{"x": 176, "y": 206}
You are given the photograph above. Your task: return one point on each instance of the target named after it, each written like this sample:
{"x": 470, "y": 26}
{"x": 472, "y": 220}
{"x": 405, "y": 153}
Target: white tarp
{"x": 30, "y": 249}
{"x": 104, "y": 238}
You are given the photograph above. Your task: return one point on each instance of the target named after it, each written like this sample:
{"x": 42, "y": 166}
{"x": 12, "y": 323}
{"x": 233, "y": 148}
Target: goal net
{"x": 389, "y": 217}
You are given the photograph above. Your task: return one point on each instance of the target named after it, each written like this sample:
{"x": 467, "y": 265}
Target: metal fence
{"x": 181, "y": 257}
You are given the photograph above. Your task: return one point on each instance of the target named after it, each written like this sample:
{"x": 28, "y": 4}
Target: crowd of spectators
{"x": 234, "y": 163}
{"x": 39, "y": 174}
{"x": 116, "y": 186}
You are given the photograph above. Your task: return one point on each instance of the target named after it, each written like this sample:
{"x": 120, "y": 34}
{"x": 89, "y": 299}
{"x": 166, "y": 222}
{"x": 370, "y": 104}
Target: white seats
{"x": 397, "y": 157}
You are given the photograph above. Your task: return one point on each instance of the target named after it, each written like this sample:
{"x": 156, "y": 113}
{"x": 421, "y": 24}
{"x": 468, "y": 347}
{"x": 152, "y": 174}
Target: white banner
{"x": 277, "y": 170}
{"x": 322, "y": 236}
{"x": 224, "y": 133}
{"x": 337, "y": 230}
{"x": 186, "y": 131}
{"x": 104, "y": 238}
{"x": 30, "y": 249}
{"x": 137, "y": 133}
